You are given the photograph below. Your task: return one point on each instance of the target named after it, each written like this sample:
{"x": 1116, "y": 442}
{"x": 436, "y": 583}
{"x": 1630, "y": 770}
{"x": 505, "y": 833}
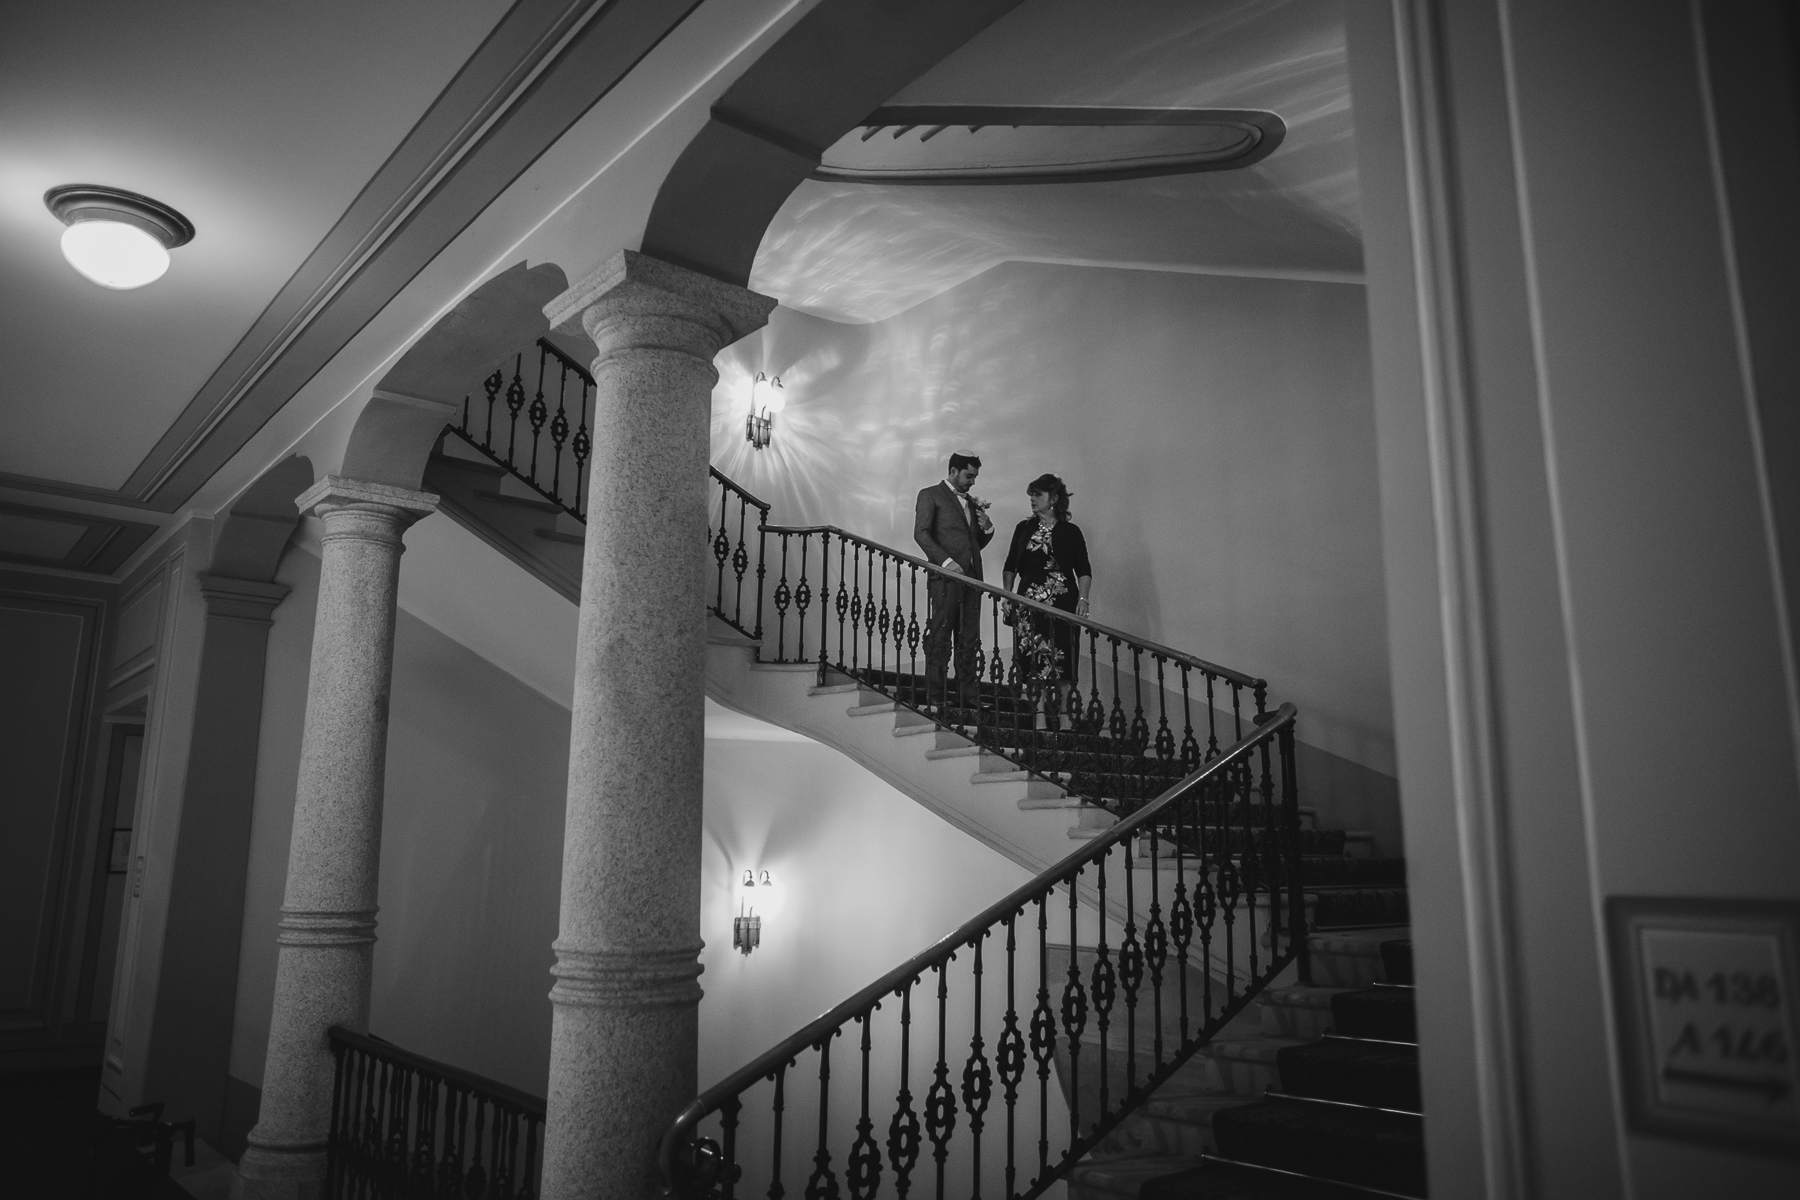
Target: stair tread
{"x": 467, "y": 464}
{"x": 1302, "y": 997}
{"x": 1352, "y": 1145}
{"x": 522, "y": 501}
{"x": 1256, "y": 1049}
{"x": 1215, "y": 1178}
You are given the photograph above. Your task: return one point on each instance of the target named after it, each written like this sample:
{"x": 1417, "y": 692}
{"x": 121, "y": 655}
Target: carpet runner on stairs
{"x": 1329, "y": 1118}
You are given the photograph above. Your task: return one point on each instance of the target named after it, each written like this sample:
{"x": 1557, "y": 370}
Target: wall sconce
{"x": 746, "y": 927}
{"x": 767, "y": 398}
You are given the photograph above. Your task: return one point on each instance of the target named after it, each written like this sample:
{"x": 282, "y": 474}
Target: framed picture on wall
{"x": 118, "y": 859}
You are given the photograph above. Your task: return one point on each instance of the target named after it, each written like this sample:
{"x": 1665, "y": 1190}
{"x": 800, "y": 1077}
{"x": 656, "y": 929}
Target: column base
{"x": 267, "y": 1174}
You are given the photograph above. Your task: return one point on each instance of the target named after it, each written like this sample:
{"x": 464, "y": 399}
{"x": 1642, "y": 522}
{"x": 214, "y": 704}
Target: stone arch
{"x": 768, "y": 131}
{"x": 248, "y": 540}
{"x": 402, "y": 421}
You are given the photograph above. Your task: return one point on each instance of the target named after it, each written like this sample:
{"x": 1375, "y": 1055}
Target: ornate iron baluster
{"x": 1181, "y": 923}
{"x": 802, "y": 600}
{"x": 1212, "y": 720}
{"x": 1104, "y": 981}
{"x": 1131, "y": 972}
{"x": 538, "y": 414}
{"x": 582, "y": 447}
{"x": 1156, "y": 944}
{"x": 776, "y": 1191}
{"x": 1043, "y": 1036}
{"x": 783, "y": 597}
{"x": 728, "y": 1168}
{"x": 559, "y": 431}
{"x": 740, "y": 563}
{"x": 1009, "y": 1055}
{"x": 824, "y": 601}
{"x": 977, "y": 1079}
{"x": 527, "y": 1184}
{"x": 912, "y": 634}
{"x": 515, "y": 401}
{"x": 843, "y": 603}
{"x": 1190, "y": 746}
{"x": 940, "y": 1100}
{"x": 1074, "y": 1015}
{"x": 721, "y": 547}
{"x": 823, "y": 1184}
{"x": 491, "y": 385}
{"x": 1290, "y": 798}
{"x": 863, "y": 1168}
{"x": 903, "y": 1130}
{"x": 884, "y": 622}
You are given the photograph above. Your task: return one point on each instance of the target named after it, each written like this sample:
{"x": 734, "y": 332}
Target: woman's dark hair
{"x": 1050, "y": 485}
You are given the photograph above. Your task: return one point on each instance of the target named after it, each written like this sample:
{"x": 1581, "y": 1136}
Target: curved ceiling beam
{"x": 768, "y": 131}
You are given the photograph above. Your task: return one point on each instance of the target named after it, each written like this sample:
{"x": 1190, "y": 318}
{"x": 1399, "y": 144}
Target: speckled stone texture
{"x": 623, "y": 1041}
{"x": 328, "y": 918}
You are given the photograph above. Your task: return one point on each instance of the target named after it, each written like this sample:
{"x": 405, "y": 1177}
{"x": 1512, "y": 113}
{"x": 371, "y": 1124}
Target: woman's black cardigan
{"x": 1066, "y": 543}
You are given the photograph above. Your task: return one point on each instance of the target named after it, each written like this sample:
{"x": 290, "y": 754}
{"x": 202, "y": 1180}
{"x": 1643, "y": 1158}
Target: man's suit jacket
{"x": 943, "y": 532}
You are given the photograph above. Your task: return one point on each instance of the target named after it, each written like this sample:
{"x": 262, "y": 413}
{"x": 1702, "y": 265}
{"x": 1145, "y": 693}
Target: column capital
{"x": 334, "y": 492}
{"x": 632, "y": 284}
{"x": 248, "y": 599}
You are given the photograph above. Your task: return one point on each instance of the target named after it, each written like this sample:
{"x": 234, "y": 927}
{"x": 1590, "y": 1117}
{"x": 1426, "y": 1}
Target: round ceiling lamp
{"x": 118, "y": 239}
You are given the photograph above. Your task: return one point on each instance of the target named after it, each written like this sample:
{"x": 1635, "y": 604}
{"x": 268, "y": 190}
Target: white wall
{"x": 864, "y": 878}
{"x": 471, "y": 856}
{"x": 1218, "y": 434}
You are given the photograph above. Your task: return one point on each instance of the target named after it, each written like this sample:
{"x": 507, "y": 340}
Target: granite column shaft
{"x": 625, "y": 1025}
{"x": 327, "y": 926}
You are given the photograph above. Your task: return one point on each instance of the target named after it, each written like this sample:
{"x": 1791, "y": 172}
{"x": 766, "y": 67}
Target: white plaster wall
{"x": 471, "y": 854}
{"x": 1218, "y": 434}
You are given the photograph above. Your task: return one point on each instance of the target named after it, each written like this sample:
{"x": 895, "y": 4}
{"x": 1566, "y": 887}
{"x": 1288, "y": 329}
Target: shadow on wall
{"x": 1217, "y": 433}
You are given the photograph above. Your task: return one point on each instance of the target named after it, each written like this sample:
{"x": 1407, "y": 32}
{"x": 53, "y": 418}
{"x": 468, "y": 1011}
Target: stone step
{"x": 1350, "y": 958}
{"x": 1249, "y": 1066}
{"x": 1298, "y": 1012}
{"x": 1110, "y": 1178}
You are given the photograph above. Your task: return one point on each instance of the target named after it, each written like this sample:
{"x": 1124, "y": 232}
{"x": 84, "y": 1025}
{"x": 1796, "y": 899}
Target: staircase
{"x": 1315, "y": 1096}
{"x": 1154, "y": 765}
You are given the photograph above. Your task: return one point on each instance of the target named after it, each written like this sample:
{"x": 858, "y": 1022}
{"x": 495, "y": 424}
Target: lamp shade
{"x": 114, "y": 254}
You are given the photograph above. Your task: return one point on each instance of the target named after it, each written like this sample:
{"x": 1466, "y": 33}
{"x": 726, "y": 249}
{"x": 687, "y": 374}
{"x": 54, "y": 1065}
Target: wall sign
{"x": 1705, "y": 996}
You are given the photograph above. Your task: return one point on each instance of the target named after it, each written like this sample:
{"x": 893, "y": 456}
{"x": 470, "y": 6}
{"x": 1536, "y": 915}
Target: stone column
{"x": 328, "y": 917}
{"x": 625, "y": 1026}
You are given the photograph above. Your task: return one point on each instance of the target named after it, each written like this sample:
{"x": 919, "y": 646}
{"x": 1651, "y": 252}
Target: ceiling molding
{"x": 100, "y": 548}
{"x": 542, "y": 67}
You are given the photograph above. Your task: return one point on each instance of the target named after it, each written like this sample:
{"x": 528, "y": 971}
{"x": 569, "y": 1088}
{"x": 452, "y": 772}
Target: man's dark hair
{"x": 959, "y": 460}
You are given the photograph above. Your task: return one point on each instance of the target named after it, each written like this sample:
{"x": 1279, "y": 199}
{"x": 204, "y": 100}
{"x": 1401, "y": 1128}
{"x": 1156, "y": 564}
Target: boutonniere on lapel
{"x": 980, "y": 506}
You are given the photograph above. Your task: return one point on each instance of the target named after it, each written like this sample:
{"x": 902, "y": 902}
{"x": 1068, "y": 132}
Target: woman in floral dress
{"x": 1049, "y": 563}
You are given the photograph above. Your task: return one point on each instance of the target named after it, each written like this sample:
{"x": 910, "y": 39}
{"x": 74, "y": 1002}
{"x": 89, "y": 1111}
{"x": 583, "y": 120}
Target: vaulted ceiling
{"x": 861, "y": 252}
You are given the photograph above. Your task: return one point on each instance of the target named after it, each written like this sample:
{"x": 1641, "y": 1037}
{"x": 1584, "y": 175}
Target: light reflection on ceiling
{"x": 858, "y": 253}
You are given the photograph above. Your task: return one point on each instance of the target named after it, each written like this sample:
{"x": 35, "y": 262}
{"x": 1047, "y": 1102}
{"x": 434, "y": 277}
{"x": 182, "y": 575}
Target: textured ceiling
{"x": 862, "y": 252}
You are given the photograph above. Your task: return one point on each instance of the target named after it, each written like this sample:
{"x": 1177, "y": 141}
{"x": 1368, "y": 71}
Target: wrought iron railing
{"x": 491, "y": 424}
{"x": 1109, "y": 716}
{"x": 1202, "y": 911}
{"x": 406, "y": 1128}
{"x": 730, "y": 544}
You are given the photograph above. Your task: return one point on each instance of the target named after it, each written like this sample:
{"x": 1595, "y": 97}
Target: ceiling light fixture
{"x": 117, "y": 239}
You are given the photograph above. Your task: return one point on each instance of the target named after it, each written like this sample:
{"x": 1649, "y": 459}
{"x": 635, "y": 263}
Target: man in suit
{"x": 951, "y": 527}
